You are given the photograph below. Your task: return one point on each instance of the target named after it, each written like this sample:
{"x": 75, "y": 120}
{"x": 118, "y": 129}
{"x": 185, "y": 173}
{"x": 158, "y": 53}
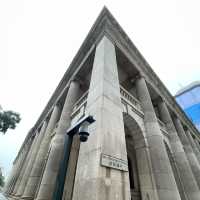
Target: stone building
{"x": 141, "y": 147}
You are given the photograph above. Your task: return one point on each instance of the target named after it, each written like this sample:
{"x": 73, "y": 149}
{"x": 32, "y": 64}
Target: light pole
{"x": 81, "y": 127}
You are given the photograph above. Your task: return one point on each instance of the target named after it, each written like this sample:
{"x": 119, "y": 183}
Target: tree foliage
{"x": 8, "y": 120}
{"x": 2, "y": 182}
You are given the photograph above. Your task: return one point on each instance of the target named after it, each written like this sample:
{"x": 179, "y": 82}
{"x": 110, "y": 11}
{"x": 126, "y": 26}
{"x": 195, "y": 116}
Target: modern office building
{"x": 189, "y": 100}
{"x": 141, "y": 146}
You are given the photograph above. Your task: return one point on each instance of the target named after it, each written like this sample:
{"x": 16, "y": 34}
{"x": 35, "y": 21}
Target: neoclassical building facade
{"x": 141, "y": 146}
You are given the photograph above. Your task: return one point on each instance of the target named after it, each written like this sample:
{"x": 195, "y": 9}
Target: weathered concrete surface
{"x": 193, "y": 144}
{"x": 22, "y": 162}
{"x": 55, "y": 156}
{"x": 165, "y": 185}
{"x": 31, "y": 161}
{"x": 192, "y": 160}
{"x": 93, "y": 181}
{"x": 187, "y": 179}
{"x": 38, "y": 165}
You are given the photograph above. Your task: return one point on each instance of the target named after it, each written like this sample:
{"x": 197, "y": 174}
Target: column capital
{"x": 75, "y": 80}
{"x": 139, "y": 75}
{"x": 159, "y": 100}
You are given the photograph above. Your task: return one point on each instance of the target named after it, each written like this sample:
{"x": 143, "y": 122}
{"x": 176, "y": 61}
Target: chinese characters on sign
{"x": 112, "y": 162}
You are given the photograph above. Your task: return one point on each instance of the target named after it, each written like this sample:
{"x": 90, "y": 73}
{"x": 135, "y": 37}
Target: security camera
{"x": 83, "y": 131}
{"x": 82, "y": 128}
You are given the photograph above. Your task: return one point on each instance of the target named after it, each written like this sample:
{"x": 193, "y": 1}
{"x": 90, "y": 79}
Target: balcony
{"x": 79, "y": 107}
{"x": 130, "y": 102}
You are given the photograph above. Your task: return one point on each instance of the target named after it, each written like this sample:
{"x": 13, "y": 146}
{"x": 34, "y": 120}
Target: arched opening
{"x": 132, "y": 134}
{"x": 131, "y": 177}
{"x": 175, "y": 172}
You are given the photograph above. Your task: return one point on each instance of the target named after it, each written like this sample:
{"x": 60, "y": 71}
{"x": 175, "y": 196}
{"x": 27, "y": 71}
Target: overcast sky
{"x": 38, "y": 40}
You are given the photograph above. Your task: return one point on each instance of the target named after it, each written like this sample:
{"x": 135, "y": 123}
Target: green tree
{"x": 8, "y": 120}
{"x": 2, "y": 182}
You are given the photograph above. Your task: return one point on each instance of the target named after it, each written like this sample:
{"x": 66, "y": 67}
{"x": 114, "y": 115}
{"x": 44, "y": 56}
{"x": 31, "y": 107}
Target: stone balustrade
{"x": 127, "y": 98}
{"x": 130, "y": 98}
{"x": 130, "y": 101}
{"x": 79, "y": 107}
{"x": 79, "y": 103}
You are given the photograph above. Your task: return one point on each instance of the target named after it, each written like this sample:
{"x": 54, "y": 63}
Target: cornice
{"x": 116, "y": 33}
{"x": 107, "y": 25}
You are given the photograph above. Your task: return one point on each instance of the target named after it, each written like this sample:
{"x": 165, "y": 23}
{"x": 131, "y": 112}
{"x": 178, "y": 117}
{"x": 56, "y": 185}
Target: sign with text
{"x": 112, "y": 162}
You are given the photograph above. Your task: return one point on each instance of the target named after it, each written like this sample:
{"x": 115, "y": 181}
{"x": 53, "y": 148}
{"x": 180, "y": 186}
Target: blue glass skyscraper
{"x": 189, "y": 100}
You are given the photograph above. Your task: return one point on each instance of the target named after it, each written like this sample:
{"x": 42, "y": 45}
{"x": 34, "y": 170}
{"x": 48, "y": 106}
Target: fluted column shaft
{"x": 13, "y": 178}
{"x": 38, "y": 165}
{"x": 187, "y": 179}
{"x": 48, "y": 182}
{"x": 24, "y": 165}
{"x": 20, "y": 165}
{"x": 197, "y": 144}
{"x": 162, "y": 172}
{"x": 193, "y": 144}
{"x": 9, "y": 181}
{"x": 194, "y": 164}
{"x": 20, "y": 174}
{"x": 31, "y": 161}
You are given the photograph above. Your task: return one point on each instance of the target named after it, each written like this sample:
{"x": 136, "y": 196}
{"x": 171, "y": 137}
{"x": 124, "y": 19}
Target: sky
{"x": 38, "y": 40}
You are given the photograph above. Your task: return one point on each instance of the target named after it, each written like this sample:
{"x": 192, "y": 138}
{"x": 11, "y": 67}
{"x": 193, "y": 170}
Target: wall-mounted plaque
{"x": 112, "y": 162}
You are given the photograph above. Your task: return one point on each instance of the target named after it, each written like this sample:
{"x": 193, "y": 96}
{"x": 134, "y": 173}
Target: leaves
{"x": 1, "y": 180}
{"x": 8, "y": 120}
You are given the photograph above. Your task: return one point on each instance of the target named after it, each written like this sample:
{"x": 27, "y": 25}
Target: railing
{"x": 130, "y": 98}
{"x": 79, "y": 107}
{"x": 80, "y": 101}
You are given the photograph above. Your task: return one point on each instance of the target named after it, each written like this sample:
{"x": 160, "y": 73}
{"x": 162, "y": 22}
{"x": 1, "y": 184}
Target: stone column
{"x": 25, "y": 161}
{"x": 31, "y": 161}
{"x": 165, "y": 184}
{"x": 5, "y": 189}
{"x": 193, "y": 144}
{"x": 94, "y": 181}
{"x": 24, "y": 165}
{"x": 48, "y": 182}
{"x": 189, "y": 152}
{"x": 187, "y": 179}
{"x": 22, "y": 170}
{"x": 36, "y": 172}
{"x": 12, "y": 181}
{"x": 11, "y": 176}
{"x": 197, "y": 144}
{"x": 20, "y": 165}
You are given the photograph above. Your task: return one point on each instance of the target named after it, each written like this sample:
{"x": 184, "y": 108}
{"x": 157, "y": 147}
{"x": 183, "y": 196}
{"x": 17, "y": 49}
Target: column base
{"x": 27, "y": 198}
{"x": 16, "y": 195}
{"x": 13, "y": 197}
